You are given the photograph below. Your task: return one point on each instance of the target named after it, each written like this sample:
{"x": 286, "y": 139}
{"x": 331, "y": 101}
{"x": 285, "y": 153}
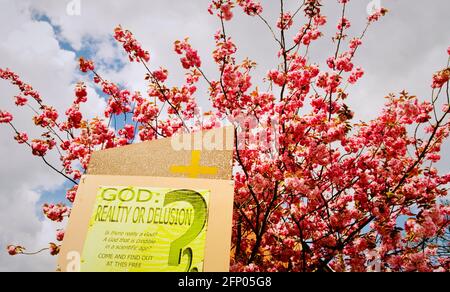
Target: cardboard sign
{"x": 122, "y": 221}
{"x": 136, "y": 229}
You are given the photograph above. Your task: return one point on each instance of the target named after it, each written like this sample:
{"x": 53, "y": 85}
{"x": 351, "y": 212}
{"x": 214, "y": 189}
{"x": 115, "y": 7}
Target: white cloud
{"x": 30, "y": 48}
{"x": 20, "y": 225}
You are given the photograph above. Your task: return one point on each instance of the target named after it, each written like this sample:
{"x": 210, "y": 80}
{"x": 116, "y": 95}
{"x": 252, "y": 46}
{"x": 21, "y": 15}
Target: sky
{"x": 42, "y": 40}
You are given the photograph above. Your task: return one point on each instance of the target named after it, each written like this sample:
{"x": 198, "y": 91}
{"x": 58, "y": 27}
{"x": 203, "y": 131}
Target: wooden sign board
{"x": 129, "y": 216}
{"x": 171, "y": 157}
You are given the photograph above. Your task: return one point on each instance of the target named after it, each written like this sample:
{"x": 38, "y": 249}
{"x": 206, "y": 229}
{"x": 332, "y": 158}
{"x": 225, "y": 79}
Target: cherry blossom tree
{"x": 333, "y": 195}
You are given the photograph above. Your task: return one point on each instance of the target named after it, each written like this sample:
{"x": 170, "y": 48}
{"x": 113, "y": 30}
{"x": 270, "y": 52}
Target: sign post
{"x": 179, "y": 221}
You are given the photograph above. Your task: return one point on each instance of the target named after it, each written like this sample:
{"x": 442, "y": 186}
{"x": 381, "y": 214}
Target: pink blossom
{"x": 131, "y": 45}
{"x": 20, "y": 100}
{"x": 12, "y": 250}
{"x": 76, "y": 174}
{"x": 15, "y": 250}
{"x": 54, "y": 249}
{"x": 446, "y": 108}
{"x": 355, "y": 43}
{"x": 440, "y": 78}
{"x": 251, "y": 268}
{"x": 26, "y": 89}
{"x": 306, "y": 37}
{"x": 80, "y": 93}
{"x": 329, "y": 82}
{"x": 343, "y": 63}
{"x": 191, "y": 58}
{"x": 55, "y": 212}
{"x": 119, "y": 101}
{"x": 356, "y": 74}
{"x": 161, "y": 74}
{"x": 251, "y": 7}
{"x": 377, "y": 14}
{"x": 21, "y": 138}
{"x": 277, "y": 77}
{"x": 71, "y": 194}
{"x": 226, "y": 12}
{"x": 127, "y": 132}
{"x": 74, "y": 117}
{"x": 285, "y": 21}
{"x": 224, "y": 49}
{"x": 60, "y": 235}
{"x": 39, "y": 147}
{"x": 86, "y": 65}
{"x": 320, "y": 20}
{"x": 47, "y": 118}
{"x": 5, "y": 117}
{"x": 343, "y": 24}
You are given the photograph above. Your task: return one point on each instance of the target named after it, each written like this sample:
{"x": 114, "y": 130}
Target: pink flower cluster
{"x": 21, "y": 138}
{"x": 251, "y": 7}
{"x": 191, "y": 58}
{"x": 54, "y": 249}
{"x": 26, "y": 89}
{"x": 55, "y": 212}
{"x": 356, "y": 75}
{"x": 329, "y": 82}
{"x": 60, "y": 235}
{"x": 72, "y": 194}
{"x": 119, "y": 101}
{"x": 20, "y": 100}
{"x": 41, "y": 147}
{"x": 342, "y": 63}
{"x": 309, "y": 32}
{"x": 131, "y": 45}
{"x": 161, "y": 75}
{"x": 80, "y": 93}
{"x": 441, "y": 78}
{"x": 277, "y": 77}
{"x": 343, "y": 24}
{"x": 145, "y": 111}
{"x": 5, "y": 117}
{"x": 377, "y": 14}
{"x": 127, "y": 134}
{"x": 225, "y": 49}
{"x": 74, "y": 118}
{"x": 86, "y": 65}
{"x": 226, "y": 12}
{"x": 15, "y": 250}
{"x": 285, "y": 21}
{"x": 47, "y": 118}
{"x": 223, "y": 8}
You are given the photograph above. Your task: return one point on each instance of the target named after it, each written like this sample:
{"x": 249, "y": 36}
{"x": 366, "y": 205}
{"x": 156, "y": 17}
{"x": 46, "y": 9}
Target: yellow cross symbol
{"x": 195, "y": 169}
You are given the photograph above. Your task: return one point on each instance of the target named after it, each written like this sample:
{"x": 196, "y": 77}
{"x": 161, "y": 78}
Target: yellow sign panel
{"x": 147, "y": 229}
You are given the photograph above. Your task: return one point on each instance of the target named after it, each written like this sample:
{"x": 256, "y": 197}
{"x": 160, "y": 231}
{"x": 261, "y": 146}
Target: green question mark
{"x": 176, "y": 247}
